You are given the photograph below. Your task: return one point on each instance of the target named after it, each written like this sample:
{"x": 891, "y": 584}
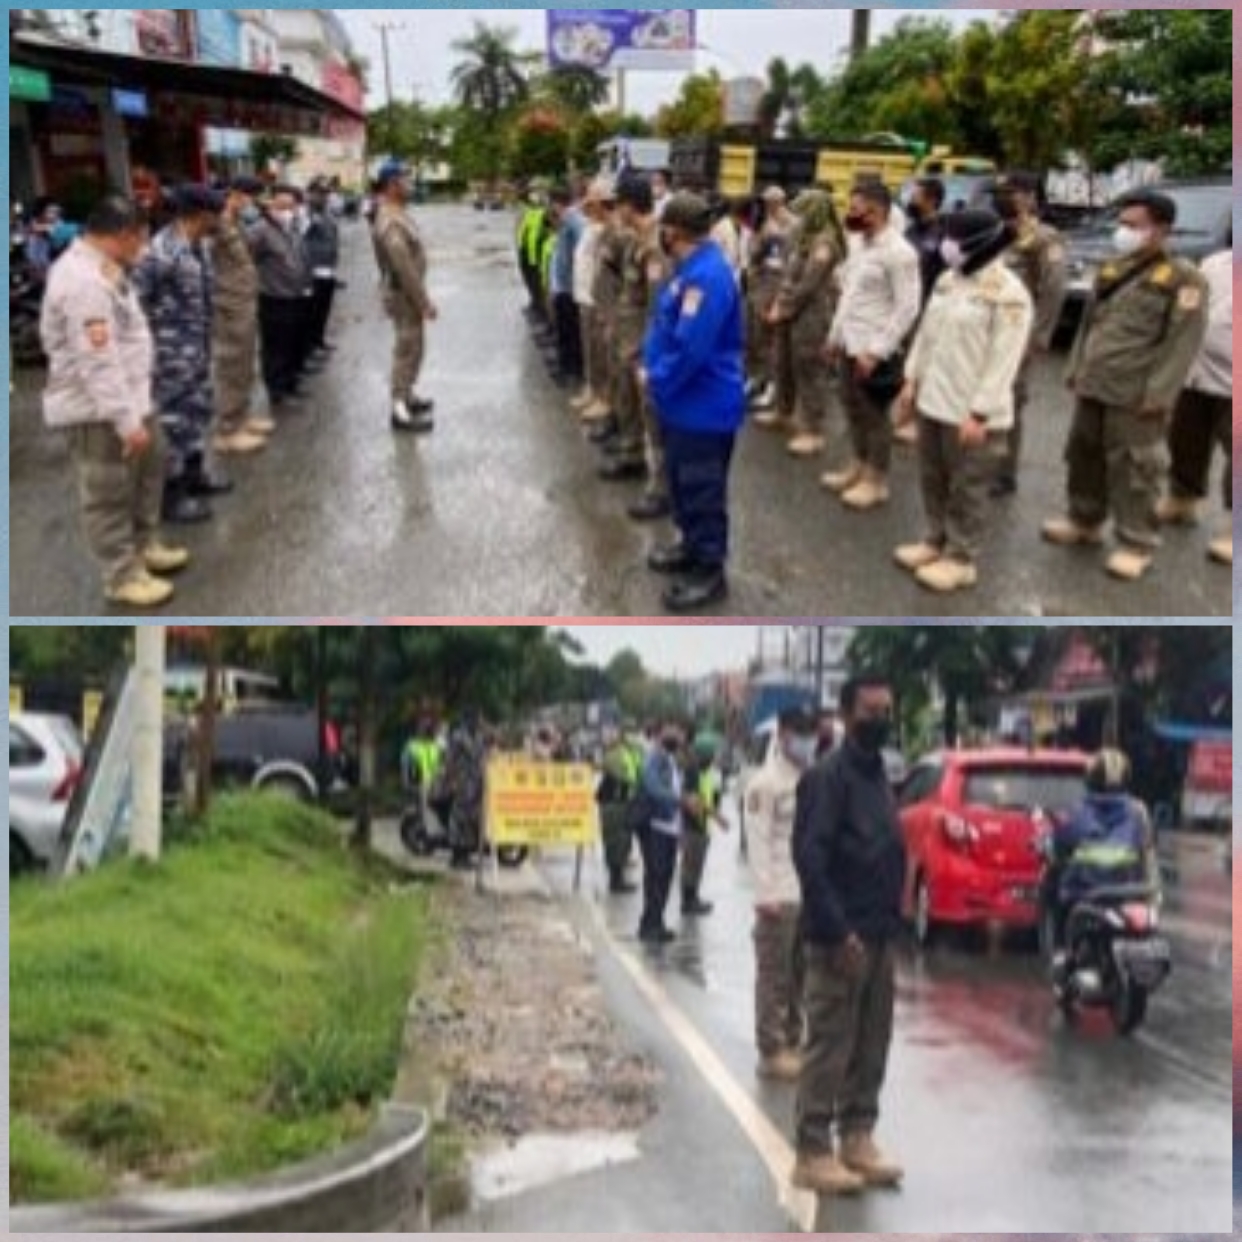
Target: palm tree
{"x": 577, "y": 88}
{"x": 790, "y": 92}
{"x": 490, "y": 78}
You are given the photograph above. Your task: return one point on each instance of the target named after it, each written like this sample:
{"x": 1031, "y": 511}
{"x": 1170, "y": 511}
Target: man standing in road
{"x": 880, "y": 305}
{"x": 403, "y": 265}
{"x": 284, "y": 293}
{"x": 174, "y": 283}
{"x": 1135, "y": 351}
{"x": 617, "y": 790}
{"x": 100, "y": 362}
{"x": 664, "y": 802}
{"x": 322, "y": 240}
{"x": 771, "y": 798}
{"x": 851, "y": 859}
{"x": 1039, "y": 259}
{"x": 693, "y": 369}
{"x": 235, "y": 327}
{"x": 702, "y": 779}
{"x": 1203, "y": 418}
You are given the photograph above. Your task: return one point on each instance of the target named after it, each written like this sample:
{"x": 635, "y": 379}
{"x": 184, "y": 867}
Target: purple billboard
{"x": 610, "y": 39}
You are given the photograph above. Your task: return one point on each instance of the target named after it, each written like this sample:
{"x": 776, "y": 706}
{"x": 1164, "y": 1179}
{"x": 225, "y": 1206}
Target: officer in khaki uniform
{"x": 403, "y": 265}
{"x": 1039, "y": 259}
{"x": 235, "y": 329}
{"x": 638, "y": 449}
{"x": 100, "y": 363}
{"x": 608, "y": 282}
{"x": 805, "y": 305}
{"x": 770, "y": 387}
{"x": 1139, "y": 340}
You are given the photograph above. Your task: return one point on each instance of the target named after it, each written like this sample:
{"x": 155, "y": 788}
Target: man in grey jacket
{"x": 284, "y": 294}
{"x": 322, "y": 240}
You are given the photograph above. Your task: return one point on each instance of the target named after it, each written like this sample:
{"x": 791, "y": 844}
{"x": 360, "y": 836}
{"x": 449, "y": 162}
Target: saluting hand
{"x": 136, "y": 445}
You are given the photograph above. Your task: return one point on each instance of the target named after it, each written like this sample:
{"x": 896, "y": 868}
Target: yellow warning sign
{"x": 92, "y": 705}
{"x": 16, "y": 700}
{"x": 548, "y": 804}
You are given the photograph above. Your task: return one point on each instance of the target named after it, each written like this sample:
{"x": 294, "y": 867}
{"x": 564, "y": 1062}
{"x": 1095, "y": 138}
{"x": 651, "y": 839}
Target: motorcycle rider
{"x": 1106, "y": 841}
{"x": 421, "y": 762}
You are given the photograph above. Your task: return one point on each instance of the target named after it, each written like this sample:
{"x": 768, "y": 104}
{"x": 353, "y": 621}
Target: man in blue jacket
{"x": 693, "y": 368}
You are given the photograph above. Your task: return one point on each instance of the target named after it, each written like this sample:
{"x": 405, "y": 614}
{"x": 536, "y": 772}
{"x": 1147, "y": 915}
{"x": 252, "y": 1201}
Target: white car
{"x": 45, "y": 764}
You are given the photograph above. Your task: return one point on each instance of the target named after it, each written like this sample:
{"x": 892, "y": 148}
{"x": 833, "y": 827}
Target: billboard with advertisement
{"x": 164, "y": 32}
{"x": 607, "y": 40}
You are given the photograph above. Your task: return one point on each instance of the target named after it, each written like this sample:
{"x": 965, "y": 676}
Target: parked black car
{"x": 271, "y": 747}
{"x": 1204, "y": 218}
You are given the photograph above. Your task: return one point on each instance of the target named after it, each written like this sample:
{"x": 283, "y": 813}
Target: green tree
{"x": 962, "y": 663}
{"x": 1170, "y": 75}
{"x": 540, "y": 145}
{"x": 491, "y": 77}
{"x": 697, "y": 112}
{"x": 267, "y": 150}
{"x": 575, "y": 89}
{"x": 790, "y": 94}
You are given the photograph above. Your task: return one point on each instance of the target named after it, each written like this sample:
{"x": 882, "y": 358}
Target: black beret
{"x": 247, "y": 185}
{"x": 1021, "y": 182}
{"x": 637, "y": 193}
{"x": 1161, "y": 208}
{"x": 190, "y": 200}
{"x": 973, "y": 228}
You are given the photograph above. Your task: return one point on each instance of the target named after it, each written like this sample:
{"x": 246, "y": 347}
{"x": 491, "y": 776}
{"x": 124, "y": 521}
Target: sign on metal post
{"x": 542, "y": 805}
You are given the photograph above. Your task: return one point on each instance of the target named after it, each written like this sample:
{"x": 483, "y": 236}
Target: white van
{"x": 184, "y": 686}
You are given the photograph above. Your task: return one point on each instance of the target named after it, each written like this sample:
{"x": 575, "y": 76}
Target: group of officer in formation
{"x": 155, "y": 323}
{"x": 678, "y": 317}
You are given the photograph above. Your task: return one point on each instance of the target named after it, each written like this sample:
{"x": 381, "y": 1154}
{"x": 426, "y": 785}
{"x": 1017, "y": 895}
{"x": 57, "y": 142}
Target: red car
{"x": 970, "y": 820}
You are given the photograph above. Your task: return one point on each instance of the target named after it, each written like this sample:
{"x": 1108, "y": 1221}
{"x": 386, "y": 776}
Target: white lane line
{"x": 774, "y": 1149}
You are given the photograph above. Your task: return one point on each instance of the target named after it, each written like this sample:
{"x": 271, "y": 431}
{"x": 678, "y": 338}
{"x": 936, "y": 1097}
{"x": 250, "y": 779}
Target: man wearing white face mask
{"x": 960, "y": 381}
{"x": 1138, "y": 343}
{"x": 771, "y": 798}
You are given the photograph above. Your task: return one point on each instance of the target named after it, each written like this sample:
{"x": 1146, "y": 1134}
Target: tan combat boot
{"x": 239, "y": 444}
{"x": 1221, "y": 550}
{"x": 772, "y": 420}
{"x": 140, "y": 591}
{"x": 916, "y": 556}
{"x": 944, "y": 576}
{"x": 826, "y": 1175}
{"x": 840, "y": 481}
{"x": 861, "y": 1156}
{"x": 869, "y": 493}
{"x": 260, "y": 425}
{"x": 906, "y": 434}
{"x": 806, "y": 444}
{"x": 596, "y": 412}
{"x": 1066, "y": 533}
{"x": 1129, "y": 564}
{"x": 1172, "y": 511}
{"x": 783, "y": 1066}
{"x": 160, "y": 559}
{"x": 582, "y": 401}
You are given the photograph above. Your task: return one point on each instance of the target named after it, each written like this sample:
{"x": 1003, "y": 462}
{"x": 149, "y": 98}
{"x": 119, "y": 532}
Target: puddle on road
{"x": 543, "y": 1159}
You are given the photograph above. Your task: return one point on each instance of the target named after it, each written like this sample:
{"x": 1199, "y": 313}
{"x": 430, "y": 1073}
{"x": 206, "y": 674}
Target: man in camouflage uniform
{"x": 805, "y": 307}
{"x": 174, "y": 282}
{"x": 1139, "y": 340}
{"x": 100, "y": 356}
{"x": 1038, "y": 258}
{"x": 607, "y": 296}
{"x": 403, "y": 266}
{"x": 642, "y": 270}
{"x": 770, "y": 389}
{"x": 235, "y": 330}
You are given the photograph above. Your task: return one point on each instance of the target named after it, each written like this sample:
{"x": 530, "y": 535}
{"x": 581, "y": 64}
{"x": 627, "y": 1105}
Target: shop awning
{"x": 31, "y": 85}
{"x": 80, "y": 65}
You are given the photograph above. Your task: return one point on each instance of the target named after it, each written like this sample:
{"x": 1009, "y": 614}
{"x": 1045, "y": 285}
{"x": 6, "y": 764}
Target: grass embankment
{"x": 238, "y": 1007}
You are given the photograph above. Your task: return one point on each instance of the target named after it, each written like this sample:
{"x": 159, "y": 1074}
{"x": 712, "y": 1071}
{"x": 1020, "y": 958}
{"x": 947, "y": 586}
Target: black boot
{"x": 181, "y": 508}
{"x": 618, "y": 884}
{"x": 699, "y": 589}
{"x": 693, "y": 906}
{"x": 201, "y": 483}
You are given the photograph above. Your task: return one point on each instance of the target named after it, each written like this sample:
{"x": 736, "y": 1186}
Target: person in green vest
{"x": 704, "y": 787}
{"x": 421, "y": 763}
{"x": 618, "y": 788}
{"x": 530, "y": 230}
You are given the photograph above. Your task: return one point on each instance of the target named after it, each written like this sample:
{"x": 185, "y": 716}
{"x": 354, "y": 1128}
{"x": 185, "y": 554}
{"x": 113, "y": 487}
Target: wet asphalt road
{"x": 500, "y": 513}
{"x": 1006, "y": 1119}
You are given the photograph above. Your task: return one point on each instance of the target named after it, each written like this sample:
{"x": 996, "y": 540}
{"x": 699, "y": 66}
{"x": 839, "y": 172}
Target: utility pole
{"x": 146, "y": 830}
{"x": 820, "y": 639}
{"x": 385, "y": 29}
{"x": 860, "y": 42}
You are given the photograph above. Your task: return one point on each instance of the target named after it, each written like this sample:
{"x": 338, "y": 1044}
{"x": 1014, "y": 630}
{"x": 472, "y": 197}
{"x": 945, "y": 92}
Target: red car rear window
{"x": 1017, "y": 788}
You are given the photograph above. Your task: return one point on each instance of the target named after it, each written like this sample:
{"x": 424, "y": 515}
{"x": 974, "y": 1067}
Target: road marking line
{"x": 774, "y": 1149}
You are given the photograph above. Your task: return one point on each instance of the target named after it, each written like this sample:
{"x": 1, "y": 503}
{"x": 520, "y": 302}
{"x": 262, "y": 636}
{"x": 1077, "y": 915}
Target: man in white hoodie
{"x": 771, "y": 800}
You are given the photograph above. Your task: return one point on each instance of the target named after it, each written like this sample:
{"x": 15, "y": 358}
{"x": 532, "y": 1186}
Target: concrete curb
{"x": 377, "y": 1185}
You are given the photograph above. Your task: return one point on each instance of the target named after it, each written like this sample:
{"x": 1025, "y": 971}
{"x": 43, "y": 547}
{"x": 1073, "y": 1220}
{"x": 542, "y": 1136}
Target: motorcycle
{"x": 1113, "y": 958}
{"x": 424, "y": 832}
{"x": 25, "y": 312}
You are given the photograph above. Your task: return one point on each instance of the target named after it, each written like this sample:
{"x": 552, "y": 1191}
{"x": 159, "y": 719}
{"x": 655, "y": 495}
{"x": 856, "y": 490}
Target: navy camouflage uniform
{"x": 174, "y": 283}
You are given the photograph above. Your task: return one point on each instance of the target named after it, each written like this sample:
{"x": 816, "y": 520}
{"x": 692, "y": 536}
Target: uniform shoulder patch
{"x": 822, "y": 253}
{"x": 692, "y": 303}
{"x": 98, "y": 334}
{"x": 1163, "y": 275}
{"x": 1190, "y": 299}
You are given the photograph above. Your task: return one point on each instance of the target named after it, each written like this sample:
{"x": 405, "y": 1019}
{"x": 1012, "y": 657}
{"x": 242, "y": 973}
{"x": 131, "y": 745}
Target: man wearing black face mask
{"x": 850, "y": 857}
{"x": 664, "y": 800}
